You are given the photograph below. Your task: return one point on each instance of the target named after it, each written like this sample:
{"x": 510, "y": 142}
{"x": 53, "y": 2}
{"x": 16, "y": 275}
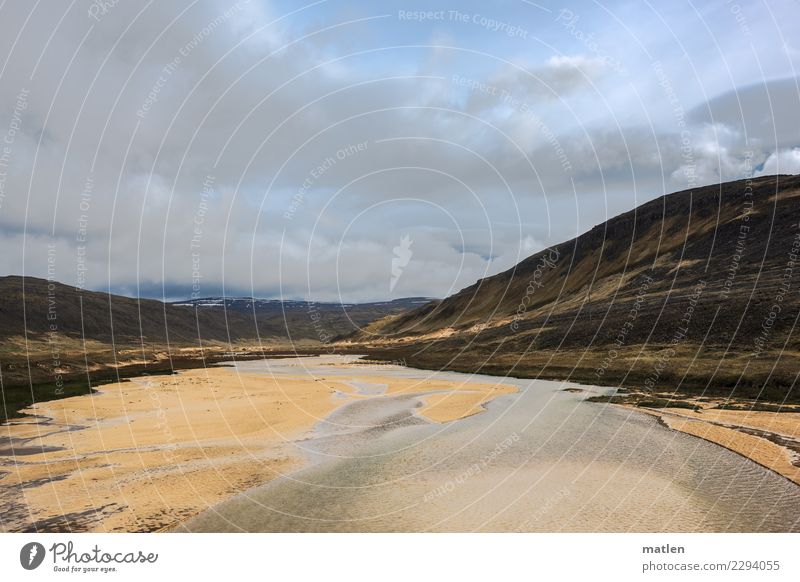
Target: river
{"x": 541, "y": 459}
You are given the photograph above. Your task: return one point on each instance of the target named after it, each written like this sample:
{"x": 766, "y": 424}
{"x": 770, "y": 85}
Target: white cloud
{"x": 477, "y": 181}
{"x": 783, "y": 162}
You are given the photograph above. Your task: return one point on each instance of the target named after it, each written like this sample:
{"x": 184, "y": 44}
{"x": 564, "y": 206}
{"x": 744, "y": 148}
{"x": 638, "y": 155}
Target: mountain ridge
{"x": 601, "y": 307}
{"x": 57, "y": 340}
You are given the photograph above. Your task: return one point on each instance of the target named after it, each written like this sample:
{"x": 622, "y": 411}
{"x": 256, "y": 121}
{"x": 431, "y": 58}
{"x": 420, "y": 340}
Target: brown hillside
{"x": 676, "y": 293}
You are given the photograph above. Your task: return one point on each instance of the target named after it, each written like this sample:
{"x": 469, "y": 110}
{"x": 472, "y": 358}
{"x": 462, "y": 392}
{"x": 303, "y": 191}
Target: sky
{"x": 365, "y": 151}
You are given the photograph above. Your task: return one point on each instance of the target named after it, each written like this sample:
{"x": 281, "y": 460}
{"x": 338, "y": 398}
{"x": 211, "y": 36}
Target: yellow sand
{"x": 785, "y": 423}
{"x": 147, "y": 454}
{"x": 756, "y": 448}
{"x": 452, "y": 401}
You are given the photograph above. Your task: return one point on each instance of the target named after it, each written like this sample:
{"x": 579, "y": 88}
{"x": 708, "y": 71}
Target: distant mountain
{"x": 48, "y": 328}
{"x": 698, "y": 290}
{"x": 35, "y": 307}
{"x": 298, "y": 320}
{"x": 251, "y": 305}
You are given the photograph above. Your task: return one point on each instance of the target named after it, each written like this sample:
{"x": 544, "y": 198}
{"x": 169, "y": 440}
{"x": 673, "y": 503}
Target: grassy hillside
{"x": 680, "y": 292}
{"x": 57, "y": 341}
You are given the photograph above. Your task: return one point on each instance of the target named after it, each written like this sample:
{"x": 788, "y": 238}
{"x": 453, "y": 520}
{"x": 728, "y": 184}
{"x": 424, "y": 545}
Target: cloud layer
{"x": 281, "y": 150}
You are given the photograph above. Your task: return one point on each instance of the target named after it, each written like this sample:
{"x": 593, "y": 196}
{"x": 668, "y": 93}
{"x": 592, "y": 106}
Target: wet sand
{"x": 147, "y": 454}
{"x": 334, "y": 444}
{"x": 539, "y": 459}
{"x": 771, "y": 439}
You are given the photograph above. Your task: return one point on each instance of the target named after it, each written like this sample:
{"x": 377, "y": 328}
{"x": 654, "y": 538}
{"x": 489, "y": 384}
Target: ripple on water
{"x": 539, "y": 460}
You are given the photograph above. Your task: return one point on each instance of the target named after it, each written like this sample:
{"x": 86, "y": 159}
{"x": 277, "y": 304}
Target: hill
{"x": 299, "y": 320}
{"x": 695, "y": 291}
{"x": 56, "y": 340}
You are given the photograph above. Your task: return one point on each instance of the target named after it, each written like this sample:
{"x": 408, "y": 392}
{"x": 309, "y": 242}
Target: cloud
{"x": 559, "y": 77}
{"x": 167, "y": 140}
{"x": 764, "y": 114}
{"x": 783, "y": 162}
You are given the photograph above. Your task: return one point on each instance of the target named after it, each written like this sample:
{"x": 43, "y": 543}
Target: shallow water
{"x": 539, "y": 460}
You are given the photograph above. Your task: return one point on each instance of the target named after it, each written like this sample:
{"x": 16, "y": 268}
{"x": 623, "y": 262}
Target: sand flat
{"x": 146, "y": 454}
{"x": 449, "y": 400}
{"x": 456, "y": 404}
{"x": 784, "y": 423}
{"x": 707, "y": 424}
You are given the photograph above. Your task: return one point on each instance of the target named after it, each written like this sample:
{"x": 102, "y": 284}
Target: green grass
{"x": 666, "y": 403}
{"x": 16, "y": 398}
{"x": 759, "y": 407}
{"x": 644, "y": 402}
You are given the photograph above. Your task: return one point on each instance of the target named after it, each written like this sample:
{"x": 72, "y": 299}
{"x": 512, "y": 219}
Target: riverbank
{"x": 713, "y": 371}
{"x": 771, "y": 439}
{"x": 146, "y": 454}
{"x": 36, "y": 374}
